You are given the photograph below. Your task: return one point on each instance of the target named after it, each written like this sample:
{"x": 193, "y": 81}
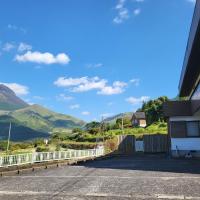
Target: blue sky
{"x": 89, "y": 58}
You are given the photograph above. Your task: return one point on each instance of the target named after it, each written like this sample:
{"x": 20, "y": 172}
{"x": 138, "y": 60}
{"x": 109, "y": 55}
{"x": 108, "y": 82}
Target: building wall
{"x": 142, "y": 123}
{"x": 181, "y": 144}
{"x": 188, "y": 144}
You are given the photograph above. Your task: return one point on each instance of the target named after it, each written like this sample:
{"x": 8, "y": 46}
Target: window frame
{"x": 198, "y": 122}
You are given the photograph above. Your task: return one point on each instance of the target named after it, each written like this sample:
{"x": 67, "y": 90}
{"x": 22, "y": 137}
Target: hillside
{"x": 9, "y": 100}
{"x": 113, "y": 119}
{"x": 42, "y": 119}
{"x": 30, "y": 121}
{"x": 19, "y": 132}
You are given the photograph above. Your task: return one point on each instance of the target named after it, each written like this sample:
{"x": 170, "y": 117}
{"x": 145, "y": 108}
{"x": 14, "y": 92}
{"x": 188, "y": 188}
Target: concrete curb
{"x": 16, "y": 170}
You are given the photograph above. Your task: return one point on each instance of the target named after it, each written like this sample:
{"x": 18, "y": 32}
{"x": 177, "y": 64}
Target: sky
{"x": 93, "y": 58}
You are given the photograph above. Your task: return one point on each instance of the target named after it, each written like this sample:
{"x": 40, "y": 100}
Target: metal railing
{"x": 28, "y": 158}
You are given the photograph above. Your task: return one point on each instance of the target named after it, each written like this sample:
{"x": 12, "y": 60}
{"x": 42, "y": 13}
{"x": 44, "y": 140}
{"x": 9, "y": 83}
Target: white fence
{"x": 28, "y": 158}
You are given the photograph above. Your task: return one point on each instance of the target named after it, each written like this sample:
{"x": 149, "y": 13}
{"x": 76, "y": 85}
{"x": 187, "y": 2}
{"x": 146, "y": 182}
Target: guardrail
{"x": 29, "y": 158}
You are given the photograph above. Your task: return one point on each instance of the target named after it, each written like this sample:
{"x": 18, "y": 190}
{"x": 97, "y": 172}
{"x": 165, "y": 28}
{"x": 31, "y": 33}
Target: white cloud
{"x": 137, "y": 11}
{"x": 43, "y": 58}
{"x": 139, "y": 1}
{"x": 17, "y": 88}
{"x": 135, "y": 101}
{"x": 85, "y": 113}
{"x": 84, "y": 84}
{"x": 74, "y": 106}
{"x": 122, "y": 12}
{"x": 135, "y": 81}
{"x": 16, "y": 28}
{"x": 96, "y": 65}
{"x": 110, "y": 90}
{"x": 8, "y": 47}
{"x": 120, "y": 4}
{"x": 63, "y": 97}
{"x": 24, "y": 47}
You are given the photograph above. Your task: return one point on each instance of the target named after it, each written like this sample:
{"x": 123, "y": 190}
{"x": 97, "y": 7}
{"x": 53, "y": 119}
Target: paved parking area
{"x": 134, "y": 177}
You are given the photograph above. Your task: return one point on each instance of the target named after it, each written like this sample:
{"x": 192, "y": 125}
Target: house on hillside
{"x": 138, "y": 119}
{"x": 184, "y": 115}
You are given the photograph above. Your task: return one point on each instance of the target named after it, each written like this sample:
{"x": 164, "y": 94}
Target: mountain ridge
{"x": 9, "y": 100}
{"x": 113, "y": 118}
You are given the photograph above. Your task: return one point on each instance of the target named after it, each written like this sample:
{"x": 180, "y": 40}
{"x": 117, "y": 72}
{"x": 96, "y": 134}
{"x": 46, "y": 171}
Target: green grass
{"x": 156, "y": 128}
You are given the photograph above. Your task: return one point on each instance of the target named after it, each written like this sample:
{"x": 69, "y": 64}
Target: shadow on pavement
{"x": 146, "y": 162}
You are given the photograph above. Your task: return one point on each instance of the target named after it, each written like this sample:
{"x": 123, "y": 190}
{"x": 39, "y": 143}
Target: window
{"x": 193, "y": 129}
{"x": 182, "y": 129}
{"x": 178, "y": 129}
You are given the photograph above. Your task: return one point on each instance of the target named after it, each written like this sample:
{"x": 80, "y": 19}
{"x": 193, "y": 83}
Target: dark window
{"x": 193, "y": 129}
{"x": 178, "y": 129}
{"x": 182, "y": 129}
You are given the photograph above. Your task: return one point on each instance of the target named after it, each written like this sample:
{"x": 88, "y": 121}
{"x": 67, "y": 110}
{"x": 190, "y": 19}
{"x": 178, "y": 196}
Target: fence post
{"x": 1, "y": 161}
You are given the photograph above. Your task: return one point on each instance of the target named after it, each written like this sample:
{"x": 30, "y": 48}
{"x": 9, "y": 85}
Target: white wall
{"x": 185, "y": 143}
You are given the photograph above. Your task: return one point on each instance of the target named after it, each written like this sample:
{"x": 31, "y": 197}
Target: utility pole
{"x": 102, "y": 128}
{"x": 122, "y": 123}
{"x": 8, "y": 144}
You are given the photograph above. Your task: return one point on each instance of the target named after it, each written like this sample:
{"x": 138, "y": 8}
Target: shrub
{"x": 38, "y": 142}
{"x": 111, "y": 144}
{"x": 58, "y": 147}
{"x": 78, "y": 145}
{"x": 3, "y": 145}
{"x": 42, "y": 149}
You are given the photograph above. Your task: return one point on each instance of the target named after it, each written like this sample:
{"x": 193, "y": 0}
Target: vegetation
{"x": 30, "y": 121}
{"x": 153, "y": 110}
{"x": 156, "y": 128}
{"x": 81, "y": 137}
{"x": 38, "y": 121}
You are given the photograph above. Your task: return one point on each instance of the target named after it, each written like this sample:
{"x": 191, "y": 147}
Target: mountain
{"x": 19, "y": 132}
{"x": 9, "y": 100}
{"x": 42, "y": 119}
{"x": 30, "y": 121}
{"x": 113, "y": 119}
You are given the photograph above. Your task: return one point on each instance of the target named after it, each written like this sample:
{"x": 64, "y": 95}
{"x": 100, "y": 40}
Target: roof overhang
{"x": 191, "y": 67}
{"x": 181, "y": 108}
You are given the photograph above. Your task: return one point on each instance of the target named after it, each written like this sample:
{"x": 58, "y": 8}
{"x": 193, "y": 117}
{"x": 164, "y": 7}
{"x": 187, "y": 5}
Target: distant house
{"x": 138, "y": 119}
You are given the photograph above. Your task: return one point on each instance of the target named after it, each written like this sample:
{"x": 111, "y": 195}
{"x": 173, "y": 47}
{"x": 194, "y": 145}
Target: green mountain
{"x": 30, "y": 121}
{"x": 19, "y": 132}
{"x": 42, "y": 119}
{"x": 9, "y": 100}
{"x": 112, "y": 119}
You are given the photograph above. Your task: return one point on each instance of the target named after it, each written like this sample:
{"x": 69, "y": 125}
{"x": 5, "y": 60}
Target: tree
{"x": 154, "y": 110}
{"x": 126, "y": 122}
{"x": 92, "y": 124}
{"x": 93, "y": 127}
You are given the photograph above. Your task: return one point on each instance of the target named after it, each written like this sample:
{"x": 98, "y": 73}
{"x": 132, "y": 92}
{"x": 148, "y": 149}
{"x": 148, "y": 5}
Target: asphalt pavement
{"x": 126, "y": 177}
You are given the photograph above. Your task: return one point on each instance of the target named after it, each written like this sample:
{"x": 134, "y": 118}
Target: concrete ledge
{"x": 183, "y": 153}
{"x": 13, "y": 170}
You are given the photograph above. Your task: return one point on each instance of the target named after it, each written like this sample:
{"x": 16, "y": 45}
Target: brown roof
{"x": 139, "y": 115}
